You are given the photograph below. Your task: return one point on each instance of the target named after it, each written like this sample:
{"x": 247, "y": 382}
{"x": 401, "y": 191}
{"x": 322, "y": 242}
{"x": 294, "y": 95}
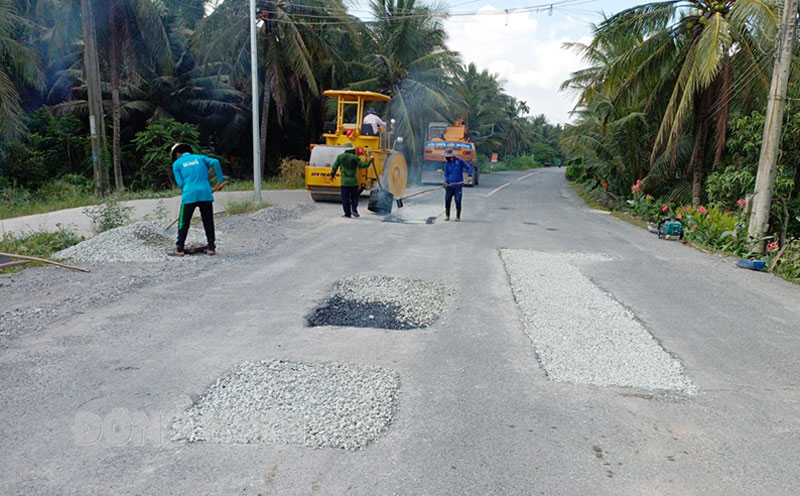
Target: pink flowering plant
{"x": 644, "y": 205}
{"x": 713, "y": 227}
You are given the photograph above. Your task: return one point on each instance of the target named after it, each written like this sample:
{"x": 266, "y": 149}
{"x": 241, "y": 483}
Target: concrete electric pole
{"x": 254, "y": 86}
{"x": 97, "y": 127}
{"x": 768, "y": 162}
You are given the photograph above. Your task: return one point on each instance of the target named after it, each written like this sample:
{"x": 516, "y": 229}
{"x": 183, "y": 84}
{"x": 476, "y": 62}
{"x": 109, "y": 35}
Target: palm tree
{"x": 137, "y": 45}
{"x": 409, "y": 61}
{"x": 291, "y": 39}
{"x": 482, "y": 104}
{"x": 687, "y": 61}
{"x": 19, "y": 69}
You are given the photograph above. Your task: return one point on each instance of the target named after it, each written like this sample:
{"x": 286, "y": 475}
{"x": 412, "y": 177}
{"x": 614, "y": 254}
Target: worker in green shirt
{"x": 349, "y": 164}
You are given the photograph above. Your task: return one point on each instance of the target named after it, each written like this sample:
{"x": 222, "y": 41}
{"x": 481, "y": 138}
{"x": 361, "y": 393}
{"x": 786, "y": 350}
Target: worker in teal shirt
{"x": 191, "y": 175}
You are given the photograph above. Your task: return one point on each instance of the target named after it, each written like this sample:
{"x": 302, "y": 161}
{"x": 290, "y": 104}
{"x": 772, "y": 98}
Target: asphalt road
{"x": 476, "y": 414}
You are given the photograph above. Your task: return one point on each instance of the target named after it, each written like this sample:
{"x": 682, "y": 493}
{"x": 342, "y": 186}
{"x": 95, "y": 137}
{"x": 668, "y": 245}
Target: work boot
{"x": 447, "y": 214}
{"x": 355, "y": 214}
{"x": 458, "y": 216}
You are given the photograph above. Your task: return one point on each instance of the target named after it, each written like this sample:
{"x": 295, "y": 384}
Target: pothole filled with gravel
{"x": 316, "y": 405}
{"x": 580, "y": 333}
{"x": 134, "y": 243}
{"x": 381, "y": 302}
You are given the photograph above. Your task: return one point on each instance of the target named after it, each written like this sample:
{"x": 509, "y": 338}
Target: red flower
{"x": 605, "y": 185}
{"x": 648, "y": 197}
{"x": 773, "y": 246}
{"x": 665, "y": 208}
{"x": 694, "y": 228}
{"x": 741, "y": 202}
{"x": 636, "y": 187}
{"x": 679, "y": 217}
{"x": 702, "y": 209}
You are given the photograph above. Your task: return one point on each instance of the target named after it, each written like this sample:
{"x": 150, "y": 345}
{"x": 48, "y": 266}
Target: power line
{"x": 338, "y": 19}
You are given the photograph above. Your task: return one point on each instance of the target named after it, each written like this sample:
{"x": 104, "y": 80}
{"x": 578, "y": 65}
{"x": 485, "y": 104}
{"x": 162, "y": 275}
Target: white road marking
{"x": 495, "y": 190}
{"x": 527, "y": 175}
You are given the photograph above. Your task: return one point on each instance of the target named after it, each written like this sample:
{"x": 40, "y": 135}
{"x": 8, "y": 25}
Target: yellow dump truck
{"x": 388, "y": 167}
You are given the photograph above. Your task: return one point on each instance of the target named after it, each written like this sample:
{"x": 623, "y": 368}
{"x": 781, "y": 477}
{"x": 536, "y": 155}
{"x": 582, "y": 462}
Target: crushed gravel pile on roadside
{"x": 581, "y": 334}
{"x": 381, "y": 302}
{"x": 134, "y": 243}
{"x": 275, "y": 214}
{"x": 322, "y": 405}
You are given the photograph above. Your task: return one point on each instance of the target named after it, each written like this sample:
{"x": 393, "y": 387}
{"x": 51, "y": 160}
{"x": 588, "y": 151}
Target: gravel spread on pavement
{"x": 39, "y": 296}
{"x": 581, "y": 334}
{"x": 381, "y": 302}
{"x": 317, "y": 405}
{"x": 134, "y": 243}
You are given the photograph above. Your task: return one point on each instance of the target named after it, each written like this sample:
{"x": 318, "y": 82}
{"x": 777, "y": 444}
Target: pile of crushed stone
{"x": 275, "y": 214}
{"x": 134, "y": 243}
{"x": 317, "y": 405}
{"x": 381, "y": 302}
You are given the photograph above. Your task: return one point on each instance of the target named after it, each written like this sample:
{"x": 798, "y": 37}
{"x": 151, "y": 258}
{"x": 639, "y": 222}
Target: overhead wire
{"x": 337, "y": 18}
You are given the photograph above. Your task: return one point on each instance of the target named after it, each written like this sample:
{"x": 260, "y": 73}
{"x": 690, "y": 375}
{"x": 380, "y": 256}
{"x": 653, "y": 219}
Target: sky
{"x": 525, "y": 48}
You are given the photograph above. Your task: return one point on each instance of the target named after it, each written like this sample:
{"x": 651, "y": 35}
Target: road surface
{"x": 476, "y": 412}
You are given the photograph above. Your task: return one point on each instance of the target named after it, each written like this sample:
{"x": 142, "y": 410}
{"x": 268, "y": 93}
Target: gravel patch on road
{"x": 332, "y": 405}
{"x": 381, "y": 302}
{"x": 139, "y": 242}
{"x": 580, "y": 333}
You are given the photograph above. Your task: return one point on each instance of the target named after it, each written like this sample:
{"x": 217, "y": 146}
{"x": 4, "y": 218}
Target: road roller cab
{"x": 388, "y": 170}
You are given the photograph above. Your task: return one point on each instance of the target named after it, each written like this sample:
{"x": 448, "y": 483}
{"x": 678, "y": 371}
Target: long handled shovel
{"x": 418, "y": 193}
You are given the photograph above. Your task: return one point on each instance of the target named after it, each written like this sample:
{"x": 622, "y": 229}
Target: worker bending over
{"x": 349, "y": 164}
{"x": 191, "y": 175}
{"x": 453, "y": 180}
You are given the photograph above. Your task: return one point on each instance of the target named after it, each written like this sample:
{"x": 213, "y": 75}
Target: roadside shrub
{"x": 237, "y": 207}
{"x": 788, "y": 265}
{"x": 38, "y": 244}
{"x": 153, "y": 145}
{"x": 108, "y": 215}
{"x": 293, "y": 172}
{"x": 54, "y": 146}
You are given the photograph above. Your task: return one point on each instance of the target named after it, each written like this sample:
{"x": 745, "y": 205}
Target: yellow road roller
{"x": 388, "y": 170}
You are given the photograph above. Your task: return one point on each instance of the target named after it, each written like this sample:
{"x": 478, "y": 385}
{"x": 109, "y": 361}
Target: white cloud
{"x": 525, "y": 52}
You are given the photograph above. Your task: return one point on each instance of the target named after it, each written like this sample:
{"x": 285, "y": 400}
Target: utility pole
{"x": 254, "y": 87}
{"x": 771, "y": 141}
{"x": 97, "y": 129}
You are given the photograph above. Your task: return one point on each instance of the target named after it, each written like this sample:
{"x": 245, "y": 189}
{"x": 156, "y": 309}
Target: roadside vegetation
{"x": 37, "y": 244}
{"x": 171, "y": 71}
{"x": 244, "y": 206}
{"x": 670, "y": 118}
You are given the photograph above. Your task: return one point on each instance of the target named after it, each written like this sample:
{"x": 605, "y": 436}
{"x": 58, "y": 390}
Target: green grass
{"x": 237, "y": 207}
{"x": 58, "y": 195}
{"x": 18, "y": 202}
{"x": 268, "y": 184}
{"x": 38, "y": 244}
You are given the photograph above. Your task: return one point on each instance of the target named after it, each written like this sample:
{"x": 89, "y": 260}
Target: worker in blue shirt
{"x": 453, "y": 180}
{"x": 191, "y": 175}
